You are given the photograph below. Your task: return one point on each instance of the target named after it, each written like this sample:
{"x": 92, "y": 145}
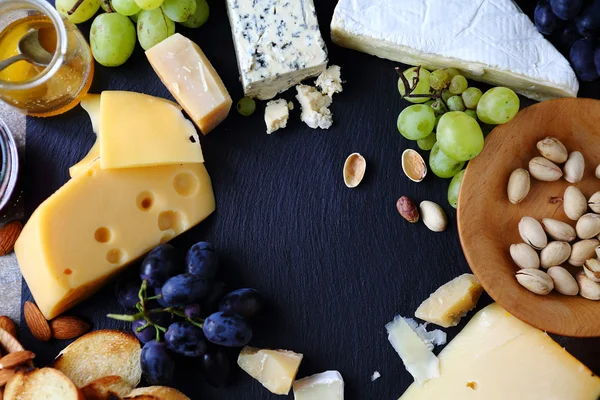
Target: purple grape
{"x": 211, "y": 302}
{"x": 146, "y": 335}
{"x": 588, "y": 20}
{"x": 193, "y": 311}
{"x": 185, "y": 339}
{"x": 184, "y": 289}
{"x": 202, "y": 260}
{"x": 160, "y": 300}
{"x": 245, "y": 302}
{"x": 127, "y": 295}
{"x": 226, "y": 329}
{"x": 564, "y": 38}
{"x": 597, "y": 60}
{"x": 158, "y": 365}
{"x": 160, "y": 264}
{"x": 216, "y": 367}
{"x": 545, "y": 20}
{"x": 566, "y": 9}
{"x": 582, "y": 59}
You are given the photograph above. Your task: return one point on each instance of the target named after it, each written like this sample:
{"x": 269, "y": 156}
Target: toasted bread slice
{"x": 107, "y": 388}
{"x": 44, "y": 383}
{"x": 99, "y": 354}
{"x": 156, "y": 393}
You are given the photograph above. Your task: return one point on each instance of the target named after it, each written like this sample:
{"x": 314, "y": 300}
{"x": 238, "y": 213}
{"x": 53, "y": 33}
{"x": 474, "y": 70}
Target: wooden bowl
{"x": 487, "y": 221}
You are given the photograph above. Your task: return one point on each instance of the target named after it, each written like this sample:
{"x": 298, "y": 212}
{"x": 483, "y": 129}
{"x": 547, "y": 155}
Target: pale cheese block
{"x": 192, "y": 80}
{"x": 498, "y": 357}
{"x": 274, "y": 369}
{"x": 102, "y": 220}
{"x": 451, "y": 301}
{"x": 328, "y": 385}
{"x": 138, "y": 130}
{"x": 488, "y": 40}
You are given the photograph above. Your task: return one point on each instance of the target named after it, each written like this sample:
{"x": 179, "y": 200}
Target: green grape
{"x": 498, "y": 106}
{"x": 454, "y": 188}
{"x": 126, "y": 7}
{"x": 437, "y": 121}
{"x": 471, "y": 113}
{"x": 416, "y": 121}
{"x": 442, "y": 165}
{"x": 106, "y": 6}
{"x": 153, "y": 26}
{"x": 471, "y": 97}
{"x": 455, "y": 103}
{"x": 179, "y": 10}
{"x": 200, "y": 15}
{"x": 439, "y": 79}
{"x": 112, "y": 39}
{"x": 439, "y": 107}
{"x": 422, "y": 84}
{"x": 134, "y": 17}
{"x": 427, "y": 142}
{"x": 246, "y": 106}
{"x": 446, "y": 95}
{"x": 452, "y": 72}
{"x": 459, "y": 136}
{"x": 458, "y": 84}
{"x": 84, "y": 11}
{"x": 149, "y": 4}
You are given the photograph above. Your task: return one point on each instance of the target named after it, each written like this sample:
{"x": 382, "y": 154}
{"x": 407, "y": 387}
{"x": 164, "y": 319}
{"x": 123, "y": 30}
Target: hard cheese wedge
{"x": 328, "y": 385}
{"x": 489, "y": 41}
{"x": 498, "y": 357}
{"x": 192, "y": 80}
{"x": 274, "y": 369}
{"x": 447, "y": 305}
{"x": 137, "y": 130}
{"x": 100, "y": 221}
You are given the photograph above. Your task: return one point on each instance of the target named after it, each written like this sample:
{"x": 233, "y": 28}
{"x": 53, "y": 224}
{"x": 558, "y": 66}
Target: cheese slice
{"x": 498, "y": 357}
{"x": 488, "y": 40}
{"x": 102, "y": 220}
{"x": 192, "y": 80}
{"x": 274, "y": 369}
{"x": 451, "y": 301}
{"x": 328, "y": 385}
{"x": 137, "y": 130}
{"x": 91, "y": 104}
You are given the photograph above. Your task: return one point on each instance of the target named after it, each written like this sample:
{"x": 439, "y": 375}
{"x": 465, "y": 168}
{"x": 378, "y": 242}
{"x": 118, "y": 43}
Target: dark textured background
{"x": 336, "y": 264}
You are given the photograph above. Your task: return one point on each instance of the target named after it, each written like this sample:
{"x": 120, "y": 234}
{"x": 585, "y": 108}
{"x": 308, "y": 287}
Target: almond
{"x": 5, "y": 375}
{"x": 17, "y": 358}
{"x": 68, "y": 327}
{"x": 8, "y": 236}
{"x": 36, "y": 322}
{"x": 8, "y": 325}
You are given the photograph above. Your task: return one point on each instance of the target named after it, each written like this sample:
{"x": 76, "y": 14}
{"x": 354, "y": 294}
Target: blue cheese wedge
{"x": 488, "y": 40}
{"x": 278, "y": 44}
{"x": 328, "y": 385}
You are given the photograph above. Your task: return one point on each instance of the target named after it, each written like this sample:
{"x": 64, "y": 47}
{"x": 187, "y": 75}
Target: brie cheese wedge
{"x": 488, "y": 40}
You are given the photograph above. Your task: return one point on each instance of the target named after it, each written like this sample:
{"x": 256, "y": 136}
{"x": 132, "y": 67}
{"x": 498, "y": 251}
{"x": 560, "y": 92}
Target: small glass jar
{"x": 9, "y": 165}
{"x": 50, "y": 90}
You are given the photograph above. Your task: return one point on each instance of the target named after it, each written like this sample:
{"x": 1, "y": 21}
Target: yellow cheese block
{"x": 192, "y": 80}
{"x": 91, "y": 104}
{"x": 274, "y": 369}
{"x": 498, "y": 357}
{"x": 452, "y": 301}
{"x": 137, "y": 130}
{"x": 100, "y": 221}
{"x": 84, "y": 164}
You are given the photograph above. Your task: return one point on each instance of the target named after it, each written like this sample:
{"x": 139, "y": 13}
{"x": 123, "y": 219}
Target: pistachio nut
{"x": 524, "y": 256}
{"x": 553, "y": 149}
{"x": 587, "y": 287}
{"x": 555, "y": 253}
{"x": 543, "y": 169}
{"x": 594, "y": 202}
{"x": 559, "y": 230}
{"x": 519, "y": 184}
{"x": 574, "y": 167}
{"x": 433, "y": 216}
{"x": 591, "y": 268}
{"x": 588, "y": 226}
{"x": 535, "y": 281}
{"x": 532, "y": 233}
{"x": 564, "y": 282}
{"x": 354, "y": 170}
{"x": 582, "y": 251}
{"x": 407, "y": 208}
{"x": 413, "y": 165}
{"x": 575, "y": 203}
{"x": 598, "y": 250}
{"x": 598, "y": 171}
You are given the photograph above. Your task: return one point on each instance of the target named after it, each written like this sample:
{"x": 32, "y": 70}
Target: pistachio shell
{"x": 354, "y": 170}
{"x": 588, "y": 226}
{"x": 598, "y": 172}
{"x": 587, "y": 287}
{"x": 413, "y": 165}
{"x": 519, "y": 184}
{"x": 591, "y": 268}
{"x": 575, "y": 203}
{"x": 582, "y": 251}
{"x": 559, "y": 230}
{"x": 524, "y": 256}
{"x": 433, "y": 216}
{"x": 564, "y": 282}
{"x": 574, "y": 167}
{"x": 535, "y": 281}
{"x": 555, "y": 253}
{"x": 532, "y": 233}
{"x": 543, "y": 169}
{"x": 552, "y": 149}
{"x": 594, "y": 202}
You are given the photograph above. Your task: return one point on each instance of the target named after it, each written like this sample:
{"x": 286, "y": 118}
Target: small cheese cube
{"x": 447, "y": 305}
{"x": 277, "y": 113}
{"x": 137, "y": 130}
{"x": 274, "y": 369}
{"x": 328, "y": 385}
{"x": 192, "y": 80}
{"x": 100, "y": 221}
{"x": 330, "y": 81}
{"x": 314, "y": 107}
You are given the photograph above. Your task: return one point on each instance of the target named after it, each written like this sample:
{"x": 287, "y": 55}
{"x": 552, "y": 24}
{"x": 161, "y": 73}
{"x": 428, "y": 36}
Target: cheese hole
{"x": 186, "y": 184}
{"x": 67, "y": 271}
{"x": 102, "y": 235}
{"x": 145, "y": 200}
{"x": 172, "y": 220}
{"x": 115, "y": 256}
{"x": 472, "y": 385}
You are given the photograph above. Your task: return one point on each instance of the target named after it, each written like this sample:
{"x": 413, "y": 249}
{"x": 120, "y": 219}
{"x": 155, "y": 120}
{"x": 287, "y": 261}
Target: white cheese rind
{"x": 278, "y": 44}
{"x": 488, "y": 40}
{"x": 328, "y": 385}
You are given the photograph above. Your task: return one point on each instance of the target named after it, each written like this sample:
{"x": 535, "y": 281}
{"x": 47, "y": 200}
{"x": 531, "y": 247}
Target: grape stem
{"x": 408, "y": 90}
{"x": 108, "y": 6}
{"x": 75, "y": 7}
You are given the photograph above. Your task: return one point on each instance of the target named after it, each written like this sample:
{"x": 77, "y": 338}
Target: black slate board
{"x": 336, "y": 264}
